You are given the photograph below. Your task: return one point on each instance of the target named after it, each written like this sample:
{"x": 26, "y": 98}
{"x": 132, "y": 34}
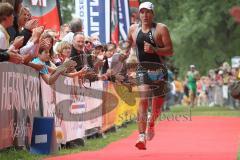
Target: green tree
{"x": 66, "y": 9}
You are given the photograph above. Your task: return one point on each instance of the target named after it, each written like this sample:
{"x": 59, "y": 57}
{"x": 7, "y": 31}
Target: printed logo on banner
{"x": 40, "y": 7}
{"x": 78, "y": 107}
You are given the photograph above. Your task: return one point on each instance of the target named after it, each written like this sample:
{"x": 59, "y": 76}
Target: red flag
{"x": 114, "y": 22}
{"x": 46, "y": 11}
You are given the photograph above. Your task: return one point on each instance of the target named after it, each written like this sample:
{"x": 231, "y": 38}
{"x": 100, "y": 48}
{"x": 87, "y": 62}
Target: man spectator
{"x": 78, "y": 54}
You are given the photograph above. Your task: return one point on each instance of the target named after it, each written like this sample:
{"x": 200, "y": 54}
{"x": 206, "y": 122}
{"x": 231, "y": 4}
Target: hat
{"x": 220, "y": 72}
{"x": 146, "y": 5}
{"x": 192, "y": 66}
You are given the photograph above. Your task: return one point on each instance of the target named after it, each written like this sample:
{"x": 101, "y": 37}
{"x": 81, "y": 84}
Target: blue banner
{"x": 95, "y": 15}
{"x": 124, "y": 19}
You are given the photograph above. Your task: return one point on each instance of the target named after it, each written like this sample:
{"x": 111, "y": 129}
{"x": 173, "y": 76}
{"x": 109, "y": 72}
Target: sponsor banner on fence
{"x": 66, "y": 130}
{"x": 92, "y": 104}
{"x": 19, "y": 103}
{"x": 127, "y": 103}
{"x": 49, "y": 110}
{"x": 109, "y": 117}
{"x": 96, "y": 17}
{"x": 46, "y": 11}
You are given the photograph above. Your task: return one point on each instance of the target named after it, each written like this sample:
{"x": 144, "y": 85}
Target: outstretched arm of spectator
{"x": 51, "y": 78}
{"x": 38, "y": 67}
{"x": 28, "y": 28}
{"x": 32, "y": 45}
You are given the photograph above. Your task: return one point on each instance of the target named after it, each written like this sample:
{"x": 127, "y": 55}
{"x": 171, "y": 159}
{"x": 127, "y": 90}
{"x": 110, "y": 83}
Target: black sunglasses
{"x": 86, "y": 42}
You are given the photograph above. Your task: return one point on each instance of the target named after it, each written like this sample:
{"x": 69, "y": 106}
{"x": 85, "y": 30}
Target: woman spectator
{"x": 64, "y": 51}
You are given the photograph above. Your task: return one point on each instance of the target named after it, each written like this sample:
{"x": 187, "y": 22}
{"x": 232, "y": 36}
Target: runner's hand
{"x": 148, "y": 48}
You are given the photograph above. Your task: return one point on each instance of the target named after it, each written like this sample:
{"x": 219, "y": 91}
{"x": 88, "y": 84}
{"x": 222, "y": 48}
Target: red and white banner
{"x": 46, "y": 11}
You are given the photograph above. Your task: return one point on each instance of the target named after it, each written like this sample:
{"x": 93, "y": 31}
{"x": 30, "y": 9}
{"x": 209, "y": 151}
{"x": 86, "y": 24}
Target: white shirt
{"x": 29, "y": 48}
{"x": 4, "y": 38}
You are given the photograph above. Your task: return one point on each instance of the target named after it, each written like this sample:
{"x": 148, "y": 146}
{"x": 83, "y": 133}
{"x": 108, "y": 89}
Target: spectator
{"x": 179, "y": 90}
{"x": 78, "y": 54}
{"x": 64, "y": 30}
{"x": 111, "y": 49}
{"x": 64, "y": 51}
{"x": 6, "y": 20}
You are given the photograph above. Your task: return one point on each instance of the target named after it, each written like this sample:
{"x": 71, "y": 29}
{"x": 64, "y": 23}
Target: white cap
{"x": 192, "y": 66}
{"x": 220, "y": 72}
{"x": 146, "y": 5}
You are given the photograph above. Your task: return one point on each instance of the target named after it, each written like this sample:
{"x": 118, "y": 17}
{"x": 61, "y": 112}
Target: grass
{"x": 96, "y": 144}
{"x": 208, "y": 111}
{"x": 239, "y": 154}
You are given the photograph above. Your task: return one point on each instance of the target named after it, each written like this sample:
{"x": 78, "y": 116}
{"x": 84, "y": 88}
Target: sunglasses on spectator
{"x": 86, "y": 42}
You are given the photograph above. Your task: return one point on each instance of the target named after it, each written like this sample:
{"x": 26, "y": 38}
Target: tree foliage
{"x": 66, "y": 9}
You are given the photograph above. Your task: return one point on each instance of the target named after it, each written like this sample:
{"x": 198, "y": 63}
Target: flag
{"x": 124, "y": 19}
{"x": 95, "y": 15}
{"x": 114, "y": 21}
{"x": 46, "y": 11}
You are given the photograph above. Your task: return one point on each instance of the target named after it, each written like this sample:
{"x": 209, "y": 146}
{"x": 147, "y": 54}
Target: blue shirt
{"x": 45, "y": 67}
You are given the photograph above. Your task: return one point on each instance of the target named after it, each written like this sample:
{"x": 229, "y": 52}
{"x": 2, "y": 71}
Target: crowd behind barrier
{"x": 24, "y": 95}
{"x": 215, "y": 89}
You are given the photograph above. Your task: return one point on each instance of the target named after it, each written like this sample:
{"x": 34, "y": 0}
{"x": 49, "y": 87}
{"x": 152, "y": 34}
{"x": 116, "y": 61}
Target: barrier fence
{"x": 80, "y": 108}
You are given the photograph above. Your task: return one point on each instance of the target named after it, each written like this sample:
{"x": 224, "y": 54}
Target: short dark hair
{"x": 6, "y": 10}
{"x": 76, "y": 25}
{"x": 78, "y": 33}
{"x": 111, "y": 46}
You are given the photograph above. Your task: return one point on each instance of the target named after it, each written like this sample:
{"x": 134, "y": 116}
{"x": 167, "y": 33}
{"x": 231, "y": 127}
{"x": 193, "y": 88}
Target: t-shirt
{"x": 45, "y": 68}
{"x": 4, "y": 38}
{"x": 178, "y": 85}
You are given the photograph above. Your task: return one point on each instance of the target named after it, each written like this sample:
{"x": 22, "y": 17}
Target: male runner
{"x": 152, "y": 42}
